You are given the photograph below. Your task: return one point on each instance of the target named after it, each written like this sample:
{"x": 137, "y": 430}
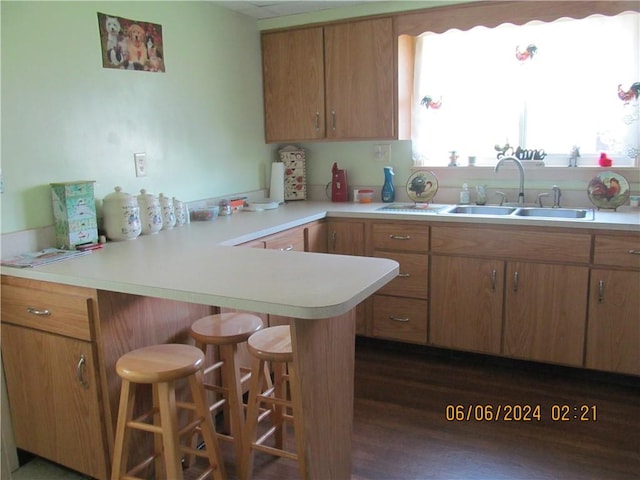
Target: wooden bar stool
{"x": 226, "y": 331}
{"x": 272, "y": 345}
{"x": 161, "y": 366}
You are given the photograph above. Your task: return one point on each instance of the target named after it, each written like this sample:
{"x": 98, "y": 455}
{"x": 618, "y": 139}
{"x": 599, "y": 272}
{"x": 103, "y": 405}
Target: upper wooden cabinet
{"x": 332, "y": 82}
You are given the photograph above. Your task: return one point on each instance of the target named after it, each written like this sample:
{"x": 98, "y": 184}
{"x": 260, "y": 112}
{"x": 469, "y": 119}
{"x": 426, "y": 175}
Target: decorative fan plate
{"x": 422, "y": 186}
{"x": 608, "y": 190}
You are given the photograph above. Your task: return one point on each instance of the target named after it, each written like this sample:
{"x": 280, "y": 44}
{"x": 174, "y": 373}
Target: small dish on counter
{"x": 204, "y": 214}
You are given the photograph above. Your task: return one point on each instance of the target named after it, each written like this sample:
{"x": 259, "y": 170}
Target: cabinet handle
{"x": 333, "y": 119}
{"x": 334, "y": 236}
{"x": 80, "y": 371}
{"x": 400, "y": 237}
{"x": 399, "y": 319}
{"x": 494, "y": 279}
{"x": 317, "y": 120}
{"x": 288, "y": 248}
{"x": 37, "y": 311}
{"x": 601, "y": 291}
{"x": 634, "y": 252}
{"x": 515, "y": 281}
{"x": 404, "y": 275}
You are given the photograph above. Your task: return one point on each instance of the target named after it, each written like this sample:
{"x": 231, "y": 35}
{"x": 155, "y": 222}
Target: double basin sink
{"x": 502, "y": 210}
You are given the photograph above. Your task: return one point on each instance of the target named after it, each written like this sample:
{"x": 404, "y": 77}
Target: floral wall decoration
{"x": 130, "y": 44}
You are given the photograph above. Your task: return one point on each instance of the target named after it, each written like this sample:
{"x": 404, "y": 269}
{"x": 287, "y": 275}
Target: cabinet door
{"x": 55, "y": 415}
{"x": 346, "y": 238}
{"x": 359, "y": 72}
{"x": 293, "y": 75}
{"x": 613, "y": 336}
{"x": 466, "y": 303}
{"x": 315, "y": 237}
{"x": 545, "y": 312}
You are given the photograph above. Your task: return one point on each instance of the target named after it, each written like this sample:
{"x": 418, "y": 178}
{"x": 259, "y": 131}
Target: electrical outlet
{"x": 382, "y": 153}
{"x": 140, "y": 160}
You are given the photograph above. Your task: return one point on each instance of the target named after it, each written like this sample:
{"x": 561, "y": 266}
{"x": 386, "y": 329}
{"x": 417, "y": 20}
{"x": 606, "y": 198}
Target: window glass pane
{"x": 565, "y": 93}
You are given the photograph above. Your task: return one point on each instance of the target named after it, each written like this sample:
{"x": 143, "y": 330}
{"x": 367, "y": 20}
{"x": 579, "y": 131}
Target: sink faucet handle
{"x": 540, "y": 196}
{"x": 503, "y": 197}
{"x": 557, "y": 193}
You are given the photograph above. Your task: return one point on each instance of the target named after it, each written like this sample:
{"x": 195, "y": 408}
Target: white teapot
{"x": 121, "y": 216}
{"x": 150, "y": 213}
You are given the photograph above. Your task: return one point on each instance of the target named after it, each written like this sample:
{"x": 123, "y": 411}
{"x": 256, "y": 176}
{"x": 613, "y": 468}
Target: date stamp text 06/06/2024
{"x": 557, "y": 412}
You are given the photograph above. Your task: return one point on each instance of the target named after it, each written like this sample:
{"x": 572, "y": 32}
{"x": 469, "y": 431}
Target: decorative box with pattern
{"x": 295, "y": 177}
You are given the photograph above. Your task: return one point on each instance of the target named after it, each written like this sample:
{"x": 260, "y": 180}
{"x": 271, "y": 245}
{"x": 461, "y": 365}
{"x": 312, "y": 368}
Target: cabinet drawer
{"x": 400, "y": 319}
{"x": 64, "y": 314}
{"x": 396, "y": 236}
{"x": 413, "y": 274}
{"x": 617, "y": 251}
{"x": 525, "y": 244}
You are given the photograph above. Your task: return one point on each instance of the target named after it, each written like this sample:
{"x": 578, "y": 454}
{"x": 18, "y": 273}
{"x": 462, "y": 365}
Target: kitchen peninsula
{"x": 177, "y": 276}
{"x": 151, "y": 289}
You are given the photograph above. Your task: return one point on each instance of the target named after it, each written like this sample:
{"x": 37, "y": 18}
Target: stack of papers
{"x": 42, "y": 257}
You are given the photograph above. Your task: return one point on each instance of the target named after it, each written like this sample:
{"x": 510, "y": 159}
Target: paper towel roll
{"x": 276, "y": 191}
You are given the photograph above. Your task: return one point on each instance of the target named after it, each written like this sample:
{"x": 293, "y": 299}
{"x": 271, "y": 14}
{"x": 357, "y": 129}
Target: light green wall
{"x": 66, "y": 118}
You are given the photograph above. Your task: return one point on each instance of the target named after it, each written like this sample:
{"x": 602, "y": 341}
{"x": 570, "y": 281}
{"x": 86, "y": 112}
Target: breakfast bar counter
{"x": 318, "y": 291}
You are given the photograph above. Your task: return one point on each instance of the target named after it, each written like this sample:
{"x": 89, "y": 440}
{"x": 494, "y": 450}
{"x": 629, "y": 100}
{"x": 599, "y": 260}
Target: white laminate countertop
{"x": 196, "y": 263}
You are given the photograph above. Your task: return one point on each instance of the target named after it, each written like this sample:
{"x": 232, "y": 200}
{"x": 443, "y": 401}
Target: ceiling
{"x": 272, "y": 9}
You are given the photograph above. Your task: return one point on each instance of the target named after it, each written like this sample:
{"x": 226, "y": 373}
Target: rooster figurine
{"x": 527, "y": 54}
{"x": 428, "y": 102}
{"x": 633, "y": 92}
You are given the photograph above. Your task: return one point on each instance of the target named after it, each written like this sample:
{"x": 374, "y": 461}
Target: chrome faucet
{"x": 520, "y": 169}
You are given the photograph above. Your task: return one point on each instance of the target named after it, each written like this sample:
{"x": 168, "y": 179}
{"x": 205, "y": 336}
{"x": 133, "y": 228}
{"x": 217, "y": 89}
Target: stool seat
{"x": 225, "y": 328}
{"x": 159, "y": 363}
{"x": 272, "y": 344}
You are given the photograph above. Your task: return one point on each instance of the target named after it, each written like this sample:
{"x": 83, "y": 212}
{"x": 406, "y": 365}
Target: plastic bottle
{"x": 464, "y": 194}
{"x": 388, "y": 191}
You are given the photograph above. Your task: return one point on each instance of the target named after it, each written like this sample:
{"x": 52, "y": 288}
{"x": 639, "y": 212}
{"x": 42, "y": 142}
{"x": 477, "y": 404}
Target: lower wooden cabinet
{"x": 545, "y": 312}
{"x": 50, "y": 365}
{"x": 466, "y": 303}
{"x": 53, "y": 397}
{"x": 613, "y": 333}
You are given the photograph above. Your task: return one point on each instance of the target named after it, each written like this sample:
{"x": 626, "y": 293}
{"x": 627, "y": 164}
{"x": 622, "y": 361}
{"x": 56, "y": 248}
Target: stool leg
{"x": 159, "y": 463}
{"x": 251, "y": 423}
{"x": 208, "y": 430}
{"x": 169, "y": 419}
{"x": 296, "y": 402}
{"x": 280, "y": 391}
{"x": 121, "y": 445}
{"x": 231, "y": 382}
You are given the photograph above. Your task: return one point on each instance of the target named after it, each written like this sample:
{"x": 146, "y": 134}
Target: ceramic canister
{"x": 168, "y": 214}
{"x": 179, "y": 212}
{"x": 121, "y": 216}
{"x": 150, "y": 213}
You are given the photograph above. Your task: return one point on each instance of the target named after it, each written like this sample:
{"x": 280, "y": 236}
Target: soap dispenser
{"x": 464, "y": 194}
{"x": 388, "y": 192}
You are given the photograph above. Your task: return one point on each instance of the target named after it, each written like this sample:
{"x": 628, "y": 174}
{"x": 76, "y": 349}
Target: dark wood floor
{"x": 401, "y": 430}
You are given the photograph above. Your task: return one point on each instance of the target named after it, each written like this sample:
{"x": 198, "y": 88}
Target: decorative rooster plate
{"x": 422, "y": 186}
{"x": 608, "y": 190}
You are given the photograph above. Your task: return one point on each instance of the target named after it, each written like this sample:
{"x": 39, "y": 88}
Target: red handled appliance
{"x": 339, "y": 192}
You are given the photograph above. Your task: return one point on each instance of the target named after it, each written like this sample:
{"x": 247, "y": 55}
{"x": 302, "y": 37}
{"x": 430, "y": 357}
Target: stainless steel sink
{"x": 482, "y": 210}
{"x": 552, "y": 212}
{"x": 412, "y": 208}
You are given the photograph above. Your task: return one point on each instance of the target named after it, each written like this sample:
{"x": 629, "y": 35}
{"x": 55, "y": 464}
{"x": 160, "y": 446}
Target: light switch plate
{"x": 140, "y": 160}
{"x": 382, "y": 153}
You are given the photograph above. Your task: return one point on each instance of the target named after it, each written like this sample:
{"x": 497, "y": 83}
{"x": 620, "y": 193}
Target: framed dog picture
{"x": 130, "y": 45}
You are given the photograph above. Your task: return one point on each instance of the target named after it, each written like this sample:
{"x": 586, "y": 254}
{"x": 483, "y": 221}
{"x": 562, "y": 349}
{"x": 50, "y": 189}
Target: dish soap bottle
{"x": 388, "y": 192}
{"x": 464, "y": 194}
